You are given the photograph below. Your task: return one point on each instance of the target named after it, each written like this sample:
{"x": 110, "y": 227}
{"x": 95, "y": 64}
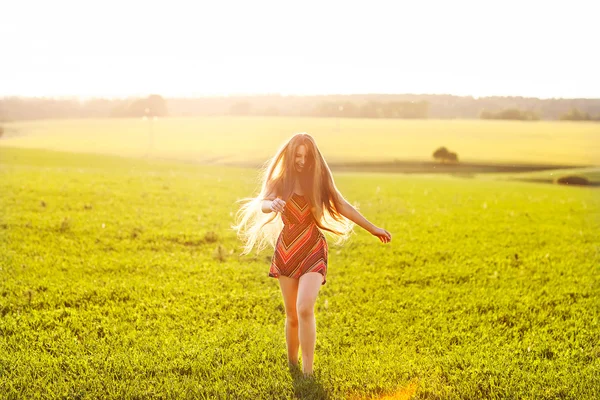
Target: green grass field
{"x": 242, "y": 140}
{"x": 120, "y": 278}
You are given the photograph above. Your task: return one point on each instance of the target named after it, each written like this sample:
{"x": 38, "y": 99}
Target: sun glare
{"x": 219, "y": 48}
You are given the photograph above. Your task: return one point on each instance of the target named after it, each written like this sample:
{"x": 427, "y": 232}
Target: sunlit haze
{"x": 120, "y": 48}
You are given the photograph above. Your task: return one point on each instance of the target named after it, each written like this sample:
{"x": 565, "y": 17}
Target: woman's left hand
{"x": 383, "y": 235}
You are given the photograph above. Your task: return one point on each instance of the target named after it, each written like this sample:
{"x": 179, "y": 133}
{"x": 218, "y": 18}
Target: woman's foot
{"x": 308, "y": 375}
{"x": 294, "y": 369}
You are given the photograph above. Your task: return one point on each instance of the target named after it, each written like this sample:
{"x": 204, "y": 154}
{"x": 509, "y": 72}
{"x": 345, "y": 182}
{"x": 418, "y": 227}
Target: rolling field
{"x": 248, "y": 140}
{"x": 120, "y": 278}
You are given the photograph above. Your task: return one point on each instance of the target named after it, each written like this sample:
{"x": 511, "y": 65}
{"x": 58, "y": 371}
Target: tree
{"x": 440, "y": 154}
{"x": 240, "y": 108}
{"x": 152, "y": 106}
{"x": 575, "y": 115}
{"x": 485, "y": 114}
{"x": 444, "y": 155}
{"x": 372, "y": 109}
{"x": 510, "y": 114}
{"x": 272, "y": 111}
{"x": 452, "y": 157}
{"x": 157, "y": 106}
{"x": 406, "y": 109}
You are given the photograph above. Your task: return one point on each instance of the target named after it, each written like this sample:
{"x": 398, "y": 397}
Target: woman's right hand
{"x": 382, "y": 234}
{"x": 278, "y": 205}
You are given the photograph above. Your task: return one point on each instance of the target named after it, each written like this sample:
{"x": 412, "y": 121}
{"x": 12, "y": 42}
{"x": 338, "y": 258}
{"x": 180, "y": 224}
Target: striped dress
{"x": 301, "y": 247}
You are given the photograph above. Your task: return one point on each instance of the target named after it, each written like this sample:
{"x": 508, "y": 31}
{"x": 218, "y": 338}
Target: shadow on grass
{"x": 550, "y": 181}
{"x": 306, "y": 387}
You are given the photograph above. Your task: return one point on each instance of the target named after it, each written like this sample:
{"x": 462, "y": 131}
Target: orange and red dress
{"x": 301, "y": 246}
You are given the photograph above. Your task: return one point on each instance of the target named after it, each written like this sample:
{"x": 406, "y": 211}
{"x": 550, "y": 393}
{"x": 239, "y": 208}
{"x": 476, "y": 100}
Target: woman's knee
{"x": 292, "y": 319}
{"x": 305, "y": 310}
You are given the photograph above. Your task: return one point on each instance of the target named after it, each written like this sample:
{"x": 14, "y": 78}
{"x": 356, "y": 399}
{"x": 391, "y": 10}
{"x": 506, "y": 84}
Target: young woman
{"x": 298, "y": 185}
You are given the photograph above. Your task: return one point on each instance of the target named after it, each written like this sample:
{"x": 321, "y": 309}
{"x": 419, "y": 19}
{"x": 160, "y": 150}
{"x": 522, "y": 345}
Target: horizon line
{"x": 274, "y": 94}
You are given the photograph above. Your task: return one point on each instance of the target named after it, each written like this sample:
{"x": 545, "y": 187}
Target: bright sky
{"x": 175, "y": 48}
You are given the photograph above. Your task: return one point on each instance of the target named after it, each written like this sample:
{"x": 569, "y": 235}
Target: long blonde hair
{"x": 258, "y": 229}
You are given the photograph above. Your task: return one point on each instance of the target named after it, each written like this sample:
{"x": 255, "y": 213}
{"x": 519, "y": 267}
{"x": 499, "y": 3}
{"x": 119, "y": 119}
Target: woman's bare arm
{"x": 348, "y": 211}
{"x": 266, "y": 206}
{"x": 272, "y": 203}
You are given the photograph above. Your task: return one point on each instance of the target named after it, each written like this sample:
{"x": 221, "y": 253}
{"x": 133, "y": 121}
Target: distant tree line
{"x": 346, "y": 106}
{"x": 373, "y": 109}
{"x": 527, "y": 115}
{"x": 576, "y": 115}
{"x": 22, "y": 108}
{"x": 512, "y": 114}
{"x": 151, "y": 106}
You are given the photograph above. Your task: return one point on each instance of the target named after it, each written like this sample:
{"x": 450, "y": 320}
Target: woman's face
{"x": 300, "y": 158}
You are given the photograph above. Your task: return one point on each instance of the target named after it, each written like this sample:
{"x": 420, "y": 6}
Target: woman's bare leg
{"x": 308, "y": 289}
{"x": 289, "y": 290}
